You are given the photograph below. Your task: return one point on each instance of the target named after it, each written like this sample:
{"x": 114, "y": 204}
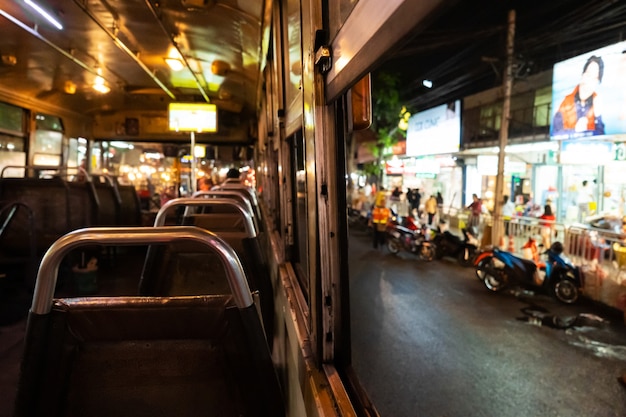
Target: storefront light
{"x": 122, "y": 145}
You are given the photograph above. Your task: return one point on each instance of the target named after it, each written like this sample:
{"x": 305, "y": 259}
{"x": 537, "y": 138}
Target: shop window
{"x": 543, "y": 106}
{"x": 491, "y": 117}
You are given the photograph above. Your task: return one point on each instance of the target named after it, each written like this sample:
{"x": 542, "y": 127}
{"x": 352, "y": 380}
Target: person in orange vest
{"x": 380, "y": 217}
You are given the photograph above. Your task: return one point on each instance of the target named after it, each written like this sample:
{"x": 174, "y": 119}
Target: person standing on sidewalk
{"x": 431, "y": 209}
{"x": 380, "y": 217}
{"x": 508, "y": 210}
{"x": 476, "y": 209}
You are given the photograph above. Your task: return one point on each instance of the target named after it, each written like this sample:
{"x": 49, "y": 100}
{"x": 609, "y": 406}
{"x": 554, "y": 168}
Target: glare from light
{"x": 45, "y": 14}
{"x": 175, "y": 64}
{"x": 100, "y": 86}
{"x": 427, "y": 83}
{"x": 122, "y": 145}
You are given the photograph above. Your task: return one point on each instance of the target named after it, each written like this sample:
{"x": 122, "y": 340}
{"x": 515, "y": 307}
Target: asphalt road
{"x": 428, "y": 339}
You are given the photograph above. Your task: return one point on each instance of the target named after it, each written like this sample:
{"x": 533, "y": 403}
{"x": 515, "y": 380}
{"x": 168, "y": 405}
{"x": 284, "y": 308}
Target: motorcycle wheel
{"x": 493, "y": 278}
{"x": 394, "y": 246}
{"x": 439, "y": 252}
{"x": 466, "y": 257}
{"x": 565, "y": 290}
{"x": 427, "y": 252}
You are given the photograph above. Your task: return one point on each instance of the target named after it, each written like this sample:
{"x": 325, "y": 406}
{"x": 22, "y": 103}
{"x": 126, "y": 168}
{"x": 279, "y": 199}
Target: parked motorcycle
{"x": 411, "y": 238}
{"x": 463, "y": 249}
{"x": 558, "y": 277}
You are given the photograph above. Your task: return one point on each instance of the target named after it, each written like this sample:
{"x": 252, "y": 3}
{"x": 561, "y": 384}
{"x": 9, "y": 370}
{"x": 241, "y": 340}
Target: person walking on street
{"x": 431, "y": 208}
{"x": 475, "y": 208}
{"x": 547, "y": 225}
{"x": 415, "y": 203}
{"x": 380, "y": 217}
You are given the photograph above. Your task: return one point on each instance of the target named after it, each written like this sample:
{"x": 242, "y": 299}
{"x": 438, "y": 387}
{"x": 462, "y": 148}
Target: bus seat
{"x": 110, "y": 204}
{"x": 146, "y": 356}
{"x": 141, "y": 356}
{"x": 130, "y": 213}
{"x": 48, "y": 201}
{"x": 176, "y": 269}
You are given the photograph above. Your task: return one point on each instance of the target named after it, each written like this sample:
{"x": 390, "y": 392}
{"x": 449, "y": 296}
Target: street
{"x": 428, "y": 339}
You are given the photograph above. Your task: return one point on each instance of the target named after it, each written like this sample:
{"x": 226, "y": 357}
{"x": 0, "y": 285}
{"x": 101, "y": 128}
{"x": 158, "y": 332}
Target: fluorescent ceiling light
{"x": 44, "y": 13}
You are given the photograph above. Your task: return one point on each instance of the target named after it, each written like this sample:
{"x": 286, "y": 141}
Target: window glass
{"x": 293, "y": 62}
{"x": 47, "y": 141}
{"x": 45, "y": 122}
{"x": 339, "y": 12}
{"x": 11, "y": 118}
{"x": 300, "y": 216}
{"x": 543, "y": 102}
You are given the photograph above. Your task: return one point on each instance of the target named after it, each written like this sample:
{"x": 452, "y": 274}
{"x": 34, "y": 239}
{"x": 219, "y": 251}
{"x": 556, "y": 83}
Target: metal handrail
{"x": 225, "y": 193}
{"x": 46, "y": 168}
{"x": 203, "y": 202}
{"x": 128, "y": 236}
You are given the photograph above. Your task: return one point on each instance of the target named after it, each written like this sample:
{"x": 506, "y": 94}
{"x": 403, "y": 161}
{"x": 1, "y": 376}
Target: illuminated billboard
{"x": 193, "y": 117}
{"x": 435, "y": 131}
{"x": 589, "y": 94}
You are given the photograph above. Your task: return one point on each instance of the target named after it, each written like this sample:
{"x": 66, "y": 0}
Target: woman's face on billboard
{"x": 589, "y": 80}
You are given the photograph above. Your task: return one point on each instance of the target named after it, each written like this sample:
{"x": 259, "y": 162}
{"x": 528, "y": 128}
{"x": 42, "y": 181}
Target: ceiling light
{"x": 175, "y": 64}
{"x": 9, "y": 60}
{"x": 69, "y": 87}
{"x": 427, "y": 83}
{"x": 220, "y": 68}
{"x": 44, "y": 13}
{"x": 100, "y": 86}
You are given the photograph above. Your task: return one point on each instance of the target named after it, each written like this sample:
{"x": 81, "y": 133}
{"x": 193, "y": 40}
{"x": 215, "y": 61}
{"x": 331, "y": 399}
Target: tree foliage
{"x": 387, "y": 110}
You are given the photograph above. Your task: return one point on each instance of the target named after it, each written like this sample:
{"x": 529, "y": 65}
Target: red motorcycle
{"x": 410, "y": 237}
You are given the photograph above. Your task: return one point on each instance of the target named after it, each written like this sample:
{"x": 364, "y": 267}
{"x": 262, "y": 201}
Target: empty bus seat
{"x": 141, "y": 356}
{"x": 83, "y": 204}
{"x": 146, "y": 356}
{"x": 48, "y": 201}
{"x": 130, "y": 209}
{"x": 233, "y": 194}
{"x": 109, "y": 207}
{"x": 177, "y": 269}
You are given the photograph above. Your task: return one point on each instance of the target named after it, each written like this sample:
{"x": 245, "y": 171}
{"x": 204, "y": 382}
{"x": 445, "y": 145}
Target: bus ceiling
{"x": 98, "y": 57}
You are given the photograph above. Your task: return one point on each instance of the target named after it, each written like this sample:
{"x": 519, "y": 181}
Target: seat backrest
{"x": 146, "y": 356}
{"x": 110, "y": 203}
{"x": 130, "y": 213}
{"x": 177, "y": 356}
{"x": 84, "y": 204}
{"x": 48, "y": 200}
{"x": 176, "y": 269}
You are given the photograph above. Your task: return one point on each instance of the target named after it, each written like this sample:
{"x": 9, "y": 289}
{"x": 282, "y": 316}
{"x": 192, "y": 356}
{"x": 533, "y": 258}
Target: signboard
{"x": 435, "y": 131}
{"x": 193, "y": 117}
{"x": 589, "y": 94}
{"x": 586, "y": 152}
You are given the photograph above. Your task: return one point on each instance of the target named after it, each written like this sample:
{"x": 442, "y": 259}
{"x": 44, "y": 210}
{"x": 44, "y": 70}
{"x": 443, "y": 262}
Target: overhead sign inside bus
{"x": 193, "y": 117}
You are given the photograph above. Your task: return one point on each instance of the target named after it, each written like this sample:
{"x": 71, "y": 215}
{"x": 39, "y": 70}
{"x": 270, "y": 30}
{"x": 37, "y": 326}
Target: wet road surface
{"x": 429, "y": 339}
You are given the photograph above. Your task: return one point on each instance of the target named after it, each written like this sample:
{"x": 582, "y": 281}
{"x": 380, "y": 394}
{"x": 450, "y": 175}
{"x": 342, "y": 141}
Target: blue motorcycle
{"x": 557, "y": 276}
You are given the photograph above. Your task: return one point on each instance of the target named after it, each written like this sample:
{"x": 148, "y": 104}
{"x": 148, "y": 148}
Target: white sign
{"x": 435, "y": 131}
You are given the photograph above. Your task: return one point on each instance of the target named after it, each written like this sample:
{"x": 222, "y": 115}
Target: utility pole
{"x": 497, "y": 228}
